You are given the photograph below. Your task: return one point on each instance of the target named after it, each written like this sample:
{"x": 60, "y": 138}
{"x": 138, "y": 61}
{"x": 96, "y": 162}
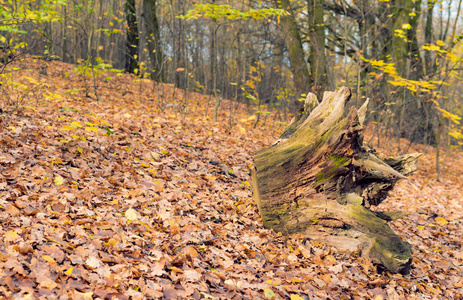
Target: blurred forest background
{"x": 405, "y": 55}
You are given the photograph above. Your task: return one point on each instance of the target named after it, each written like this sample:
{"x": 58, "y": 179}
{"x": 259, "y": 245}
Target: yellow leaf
{"x": 69, "y": 271}
{"x": 131, "y": 214}
{"x": 271, "y": 282}
{"x": 441, "y": 221}
{"x": 296, "y": 297}
{"x": 80, "y": 150}
{"x": 59, "y": 180}
{"x": 66, "y": 128}
{"x": 76, "y": 125}
{"x": 48, "y": 259}
{"x": 89, "y": 129}
{"x": 456, "y": 134}
{"x": 269, "y": 293}
{"x": 454, "y": 118}
{"x": 406, "y": 26}
{"x": 431, "y": 48}
{"x": 420, "y": 227}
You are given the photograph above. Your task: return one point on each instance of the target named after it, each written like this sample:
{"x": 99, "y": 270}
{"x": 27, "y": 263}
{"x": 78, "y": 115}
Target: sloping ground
{"x": 116, "y": 198}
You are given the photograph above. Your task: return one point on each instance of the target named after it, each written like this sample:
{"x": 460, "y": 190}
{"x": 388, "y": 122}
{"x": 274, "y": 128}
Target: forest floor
{"x": 117, "y": 198}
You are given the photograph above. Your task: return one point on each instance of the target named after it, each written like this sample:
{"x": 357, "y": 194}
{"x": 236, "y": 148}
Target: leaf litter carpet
{"x": 118, "y": 199}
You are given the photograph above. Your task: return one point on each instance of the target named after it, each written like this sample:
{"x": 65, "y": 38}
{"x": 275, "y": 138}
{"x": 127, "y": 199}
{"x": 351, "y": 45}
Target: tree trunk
{"x": 296, "y": 55}
{"x": 428, "y": 32}
{"x": 64, "y": 36}
{"x": 317, "y": 56}
{"x": 131, "y": 55}
{"x": 153, "y": 39}
{"x": 319, "y": 180}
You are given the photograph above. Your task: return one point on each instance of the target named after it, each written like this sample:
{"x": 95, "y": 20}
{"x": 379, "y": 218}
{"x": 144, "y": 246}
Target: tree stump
{"x": 319, "y": 180}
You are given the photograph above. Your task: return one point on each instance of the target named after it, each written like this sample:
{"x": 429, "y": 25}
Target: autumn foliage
{"x": 120, "y": 198}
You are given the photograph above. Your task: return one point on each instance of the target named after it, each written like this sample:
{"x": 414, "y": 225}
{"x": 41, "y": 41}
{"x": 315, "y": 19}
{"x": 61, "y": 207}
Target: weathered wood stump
{"x": 319, "y": 180}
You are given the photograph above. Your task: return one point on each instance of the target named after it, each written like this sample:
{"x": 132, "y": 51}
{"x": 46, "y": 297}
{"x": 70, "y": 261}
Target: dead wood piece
{"x": 319, "y": 180}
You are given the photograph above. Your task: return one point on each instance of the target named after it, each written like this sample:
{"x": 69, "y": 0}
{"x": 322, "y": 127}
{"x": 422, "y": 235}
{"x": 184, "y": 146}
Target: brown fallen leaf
{"x": 93, "y": 262}
{"x": 191, "y": 276}
{"x": 47, "y": 283}
{"x": 11, "y": 236}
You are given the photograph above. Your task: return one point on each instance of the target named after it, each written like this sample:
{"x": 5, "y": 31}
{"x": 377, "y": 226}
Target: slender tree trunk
{"x": 428, "y": 64}
{"x": 153, "y": 39}
{"x": 100, "y": 51}
{"x": 404, "y": 42}
{"x": 296, "y": 55}
{"x": 414, "y": 55}
{"x": 64, "y": 36}
{"x": 317, "y": 57}
{"x": 131, "y": 54}
{"x": 214, "y": 71}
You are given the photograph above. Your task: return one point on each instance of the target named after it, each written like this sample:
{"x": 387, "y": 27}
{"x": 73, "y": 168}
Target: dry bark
{"x": 318, "y": 179}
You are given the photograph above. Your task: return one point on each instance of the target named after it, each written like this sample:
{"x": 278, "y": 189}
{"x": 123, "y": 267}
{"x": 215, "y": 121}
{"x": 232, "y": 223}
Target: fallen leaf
{"x": 12, "y": 211}
{"x": 93, "y": 262}
{"x": 268, "y": 293}
{"x": 85, "y": 296}
{"x": 47, "y": 283}
{"x": 48, "y": 259}
{"x": 191, "y": 276}
{"x": 68, "y": 271}
{"x": 58, "y": 180}
{"x": 11, "y": 236}
{"x": 131, "y": 214}
{"x": 441, "y": 221}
